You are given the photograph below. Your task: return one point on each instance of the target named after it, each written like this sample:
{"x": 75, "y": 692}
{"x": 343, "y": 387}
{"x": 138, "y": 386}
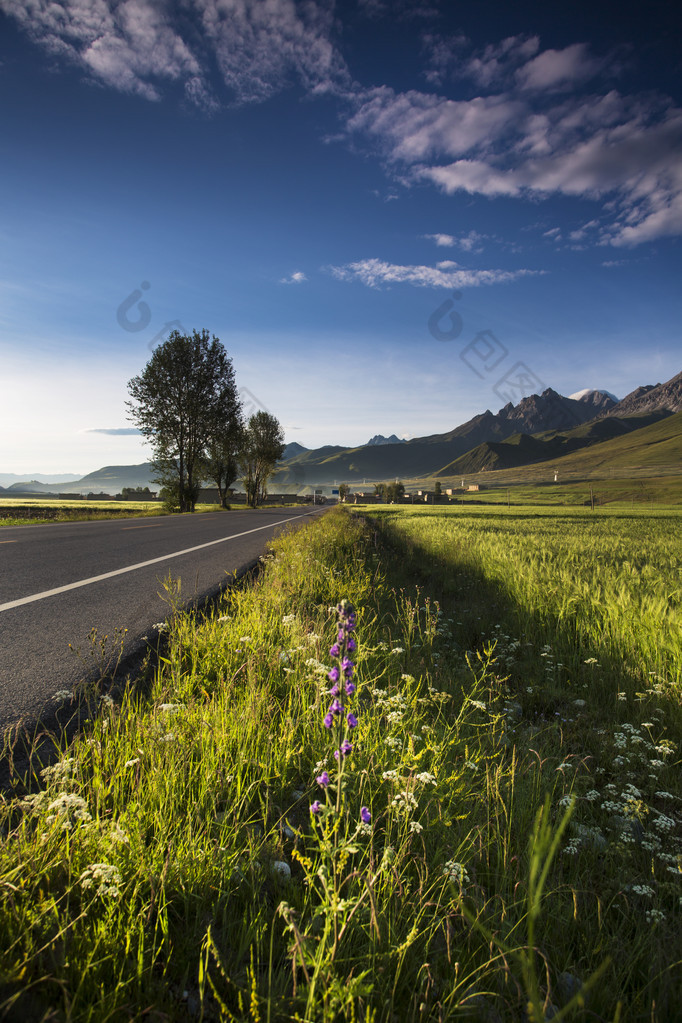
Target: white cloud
{"x": 554, "y": 69}
{"x": 261, "y": 47}
{"x": 129, "y": 46}
{"x": 444, "y": 241}
{"x": 471, "y": 242}
{"x": 375, "y": 272}
{"x": 297, "y": 277}
{"x": 624, "y": 151}
{"x": 492, "y": 65}
{"x": 487, "y": 67}
{"x": 414, "y": 125}
{"x": 134, "y": 45}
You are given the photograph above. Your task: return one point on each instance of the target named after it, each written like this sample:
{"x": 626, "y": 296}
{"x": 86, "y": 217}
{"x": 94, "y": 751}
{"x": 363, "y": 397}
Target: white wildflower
{"x": 404, "y": 802}
{"x": 455, "y": 872}
{"x": 663, "y": 823}
{"x": 60, "y": 771}
{"x": 425, "y": 778}
{"x": 103, "y": 877}
{"x": 416, "y": 827}
{"x": 643, "y": 889}
{"x": 397, "y": 650}
{"x": 68, "y": 809}
{"x": 117, "y": 835}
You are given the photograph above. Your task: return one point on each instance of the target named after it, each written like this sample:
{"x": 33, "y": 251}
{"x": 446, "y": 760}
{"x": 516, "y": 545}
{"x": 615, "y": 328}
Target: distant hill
{"x": 292, "y": 449}
{"x": 651, "y": 446}
{"x": 525, "y": 449}
{"x": 427, "y": 455}
{"x": 9, "y": 478}
{"x": 540, "y": 428}
{"x": 377, "y": 440}
{"x": 109, "y": 480}
{"x": 651, "y": 398}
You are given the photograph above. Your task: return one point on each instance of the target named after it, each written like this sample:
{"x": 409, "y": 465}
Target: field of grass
{"x": 502, "y": 842}
{"x": 657, "y": 491}
{"x": 57, "y": 510}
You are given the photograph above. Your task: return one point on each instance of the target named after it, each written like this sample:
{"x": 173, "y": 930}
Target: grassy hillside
{"x": 652, "y": 451}
{"x": 525, "y": 449}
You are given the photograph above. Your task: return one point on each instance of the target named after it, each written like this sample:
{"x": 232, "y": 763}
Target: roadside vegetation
{"x": 499, "y": 836}
{"x": 40, "y": 511}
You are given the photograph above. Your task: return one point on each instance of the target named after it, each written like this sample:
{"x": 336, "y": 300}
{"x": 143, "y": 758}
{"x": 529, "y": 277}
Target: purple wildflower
{"x": 334, "y": 691}
{"x": 336, "y": 707}
{"x": 323, "y": 779}
{"x": 350, "y": 688}
{"x": 333, "y": 675}
{"x": 347, "y": 666}
{"x": 365, "y": 815}
{"x": 334, "y": 650}
{"x": 316, "y": 806}
{"x": 352, "y": 721}
{"x": 344, "y": 749}
{"x": 328, "y": 719}
{"x": 351, "y": 644}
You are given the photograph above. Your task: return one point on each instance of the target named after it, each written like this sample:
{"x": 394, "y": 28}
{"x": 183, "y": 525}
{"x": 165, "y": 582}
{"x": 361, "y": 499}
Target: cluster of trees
{"x": 390, "y": 492}
{"x": 186, "y": 404}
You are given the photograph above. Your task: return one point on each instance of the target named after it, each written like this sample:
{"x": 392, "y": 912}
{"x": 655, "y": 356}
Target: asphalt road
{"x": 58, "y": 582}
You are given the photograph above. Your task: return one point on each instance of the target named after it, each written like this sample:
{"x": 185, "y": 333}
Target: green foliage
{"x": 184, "y": 400}
{"x": 262, "y": 447}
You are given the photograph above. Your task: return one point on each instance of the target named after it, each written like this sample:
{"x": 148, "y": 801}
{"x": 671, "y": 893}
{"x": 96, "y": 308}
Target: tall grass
{"x": 167, "y": 865}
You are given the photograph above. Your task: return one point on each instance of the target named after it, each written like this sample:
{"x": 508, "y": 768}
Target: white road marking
{"x": 132, "y": 568}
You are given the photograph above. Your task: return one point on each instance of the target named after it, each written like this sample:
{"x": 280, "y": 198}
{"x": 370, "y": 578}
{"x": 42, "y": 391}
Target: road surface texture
{"x": 58, "y": 582}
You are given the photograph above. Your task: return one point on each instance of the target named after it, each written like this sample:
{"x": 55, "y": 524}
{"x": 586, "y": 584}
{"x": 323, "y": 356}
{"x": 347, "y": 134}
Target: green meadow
{"x": 499, "y": 839}
{"x": 58, "y": 510}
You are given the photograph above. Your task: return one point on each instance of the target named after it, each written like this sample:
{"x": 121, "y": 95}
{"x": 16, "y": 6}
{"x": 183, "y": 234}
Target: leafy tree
{"x": 438, "y": 489}
{"x": 343, "y": 491}
{"x": 184, "y": 399}
{"x": 262, "y": 448}
{"x": 393, "y": 492}
{"x": 223, "y": 455}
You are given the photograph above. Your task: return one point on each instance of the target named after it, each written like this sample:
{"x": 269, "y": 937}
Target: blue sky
{"x": 393, "y": 215}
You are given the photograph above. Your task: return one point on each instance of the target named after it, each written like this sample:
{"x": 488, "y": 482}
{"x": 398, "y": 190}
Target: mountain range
{"x": 540, "y": 427}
